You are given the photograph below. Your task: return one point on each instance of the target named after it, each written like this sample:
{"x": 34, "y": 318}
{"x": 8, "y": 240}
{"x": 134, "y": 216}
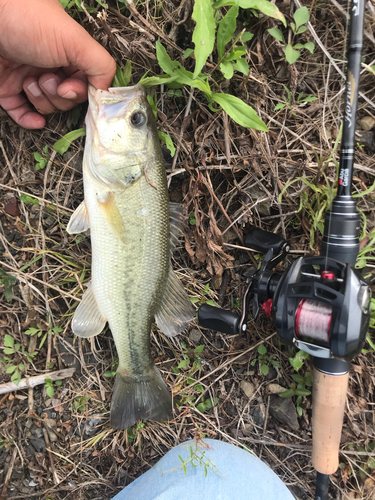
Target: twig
{"x": 346, "y": 14}
{"x": 26, "y": 383}
{"x": 155, "y": 30}
{"x": 48, "y": 446}
{"x": 9, "y": 475}
{"x": 30, "y": 277}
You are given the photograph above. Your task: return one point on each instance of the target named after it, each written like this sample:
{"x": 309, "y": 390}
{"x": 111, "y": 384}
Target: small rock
{"x": 11, "y": 206}
{"x": 36, "y": 431}
{"x": 367, "y": 123}
{"x": 259, "y": 415}
{"x": 247, "y": 429}
{"x": 39, "y": 445}
{"x": 216, "y": 282}
{"x": 195, "y": 335}
{"x": 275, "y": 388}
{"x": 366, "y": 138}
{"x": 284, "y": 411}
{"x": 50, "y": 422}
{"x": 52, "y": 436}
{"x": 247, "y": 388}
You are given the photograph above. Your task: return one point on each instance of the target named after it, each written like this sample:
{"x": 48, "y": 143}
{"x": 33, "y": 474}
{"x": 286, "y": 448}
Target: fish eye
{"x": 138, "y": 119}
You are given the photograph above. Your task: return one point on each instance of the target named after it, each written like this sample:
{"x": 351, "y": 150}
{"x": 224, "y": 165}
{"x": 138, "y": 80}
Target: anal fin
{"x": 79, "y": 221}
{"x": 88, "y": 320}
{"x": 175, "y": 311}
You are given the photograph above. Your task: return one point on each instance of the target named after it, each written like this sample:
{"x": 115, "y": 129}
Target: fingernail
{"x": 50, "y": 86}
{"x": 70, "y": 95}
{"x": 34, "y": 89}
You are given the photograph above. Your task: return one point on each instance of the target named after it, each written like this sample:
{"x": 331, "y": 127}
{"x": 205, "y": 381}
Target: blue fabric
{"x": 238, "y": 475}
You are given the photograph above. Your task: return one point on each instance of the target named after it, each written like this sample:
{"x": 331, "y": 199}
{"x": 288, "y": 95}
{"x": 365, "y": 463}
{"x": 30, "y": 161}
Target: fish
{"x": 134, "y": 230}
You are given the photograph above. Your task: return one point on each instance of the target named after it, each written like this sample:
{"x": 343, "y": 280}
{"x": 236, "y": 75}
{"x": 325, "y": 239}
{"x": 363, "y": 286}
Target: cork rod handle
{"x": 329, "y": 394}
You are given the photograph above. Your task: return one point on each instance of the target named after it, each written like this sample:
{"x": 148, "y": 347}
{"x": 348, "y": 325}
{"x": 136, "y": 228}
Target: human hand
{"x": 50, "y": 57}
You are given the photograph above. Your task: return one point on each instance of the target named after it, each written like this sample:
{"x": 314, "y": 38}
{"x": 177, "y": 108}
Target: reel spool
{"x": 313, "y": 321}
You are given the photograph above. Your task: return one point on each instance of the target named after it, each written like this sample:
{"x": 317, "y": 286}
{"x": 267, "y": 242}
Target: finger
{"x": 19, "y": 110}
{"x": 91, "y": 58}
{"x": 73, "y": 92}
{"x": 37, "y": 97}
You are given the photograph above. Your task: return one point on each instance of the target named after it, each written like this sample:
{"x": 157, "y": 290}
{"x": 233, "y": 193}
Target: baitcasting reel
{"x": 319, "y": 304}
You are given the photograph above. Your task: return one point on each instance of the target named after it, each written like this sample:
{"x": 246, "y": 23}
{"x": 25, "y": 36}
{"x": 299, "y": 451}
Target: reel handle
{"x": 262, "y": 241}
{"x": 218, "y": 319}
{"x": 329, "y": 395}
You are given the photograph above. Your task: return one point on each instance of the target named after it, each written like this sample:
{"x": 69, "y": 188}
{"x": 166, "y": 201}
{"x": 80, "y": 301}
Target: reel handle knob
{"x": 262, "y": 241}
{"x": 218, "y": 319}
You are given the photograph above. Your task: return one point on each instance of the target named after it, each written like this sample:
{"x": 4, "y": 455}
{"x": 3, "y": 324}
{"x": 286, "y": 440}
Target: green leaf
{"x": 58, "y": 383}
{"x": 187, "y": 53}
{"x": 268, "y": 8}
{"x": 203, "y": 86}
{"x": 276, "y": 33}
{"x": 201, "y": 407}
{"x": 168, "y": 142}
{"x": 29, "y": 199}
{"x": 16, "y": 377}
{"x": 8, "y": 281}
{"x": 225, "y": 32}
{"x": 172, "y": 68}
{"x": 9, "y": 350}
{"x": 123, "y": 76}
{"x": 239, "y": 111}
{"x": 62, "y": 145}
{"x": 183, "y": 363}
{"x": 226, "y": 67}
{"x": 246, "y": 37}
{"x": 371, "y": 462}
{"x": 302, "y": 29}
{"x": 8, "y": 341}
{"x": 279, "y": 105}
{"x": 241, "y": 66}
{"x": 297, "y": 361}
{"x": 287, "y": 394}
{"x": 298, "y": 378}
{"x": 303, "y": 392}
{"x": 50, "y": 391}
{"x": 21, "y": 367}
{"x": 38, "y": 157}
{"x": 291, "y": 55}
{"x": 299, "y": 411}
{"x": 262, "y": 349}
{"x": 150, "y": 81}
{"x": 10, "y": 369}
{"x": 199, "y": 349}
{"x": 32, "y": 331}
{"x": 264, "y": 369}
{"x": 309, "y": 98}
{"x": 211, "y": 303}
{"x": 204, "y": 33}
{"x": 310, "y": 47}
{"x": 48, "y": 381}
{"x": 301, "y": 16}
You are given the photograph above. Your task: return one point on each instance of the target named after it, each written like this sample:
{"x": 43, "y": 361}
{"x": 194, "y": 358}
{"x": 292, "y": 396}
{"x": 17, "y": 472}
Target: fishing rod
{"x": 319, "y": 304}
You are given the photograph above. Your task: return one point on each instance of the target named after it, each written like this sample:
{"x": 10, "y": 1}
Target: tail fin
{"x": 143, "y": 397}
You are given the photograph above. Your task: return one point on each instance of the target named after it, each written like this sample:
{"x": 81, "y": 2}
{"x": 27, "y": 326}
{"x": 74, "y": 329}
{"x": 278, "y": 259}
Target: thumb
{"x": 83, "y": 52}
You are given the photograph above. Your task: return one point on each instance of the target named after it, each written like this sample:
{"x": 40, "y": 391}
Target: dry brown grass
{"x": 230, "y": 177}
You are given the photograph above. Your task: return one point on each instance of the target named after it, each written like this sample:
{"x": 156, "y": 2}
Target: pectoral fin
{"x": 88, "y": 321}
{"x": 175, "y": 311}
{"x": 79, "y": 221}
{"x": 113, "y": 216}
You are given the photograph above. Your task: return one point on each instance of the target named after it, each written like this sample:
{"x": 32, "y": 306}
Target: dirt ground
{"x": 228, "y": 178}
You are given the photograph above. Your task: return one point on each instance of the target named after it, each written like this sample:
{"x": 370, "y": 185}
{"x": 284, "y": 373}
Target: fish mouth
{"x": 115, "y": 94}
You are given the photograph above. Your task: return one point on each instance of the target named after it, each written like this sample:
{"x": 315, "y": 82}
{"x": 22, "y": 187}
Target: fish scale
{"x": 127, "y": 210}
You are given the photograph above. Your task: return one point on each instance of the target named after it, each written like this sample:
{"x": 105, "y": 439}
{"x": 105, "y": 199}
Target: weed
{"x": 40, "y": 333}
{"x": 292, "y": 52}
{"x": 5, "y": 443}
{"x": 15, "y": 358}
{"x": 41, "y": 159}
{"x": 80, "y": 402}
{"x": 192, "y": 219}
{"x": 49, "y": 386}
{"x": 203, "y": 300}
{"x": 300, "y": 100}
{"x": 197, "y": 458}
{"x": 8, "y": 281}
{"x": 264, "y": 360}
{"x": 298, "y": 387}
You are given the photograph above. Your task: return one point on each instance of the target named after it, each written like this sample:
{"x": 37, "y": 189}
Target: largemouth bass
{"x": 133, "y": 231}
